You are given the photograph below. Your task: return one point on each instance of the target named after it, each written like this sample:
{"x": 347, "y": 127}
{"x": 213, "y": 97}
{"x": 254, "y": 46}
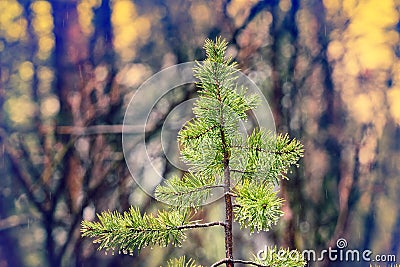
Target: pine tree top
{"x": 246, "y": 167}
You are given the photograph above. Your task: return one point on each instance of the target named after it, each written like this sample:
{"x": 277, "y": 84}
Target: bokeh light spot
{"x": 50, "y": 106}
{"x": 26, "y": 71}
{"x": 19, "y": 109}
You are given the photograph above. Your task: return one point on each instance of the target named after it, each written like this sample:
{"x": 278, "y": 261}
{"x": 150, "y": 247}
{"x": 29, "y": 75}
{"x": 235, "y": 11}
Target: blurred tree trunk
{"x": 285, "y": 37}
{"x": 394, "y": 167}
{"x": 70, "y": 53}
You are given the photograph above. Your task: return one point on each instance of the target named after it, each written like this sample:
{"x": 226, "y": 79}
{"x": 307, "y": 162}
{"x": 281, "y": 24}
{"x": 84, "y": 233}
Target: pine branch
{"x": 130, "y": 230}
{"x": 13, "y": 221}
{"x": 193, "y": 130}
{"x": 202, "y": 154}
{"x": 181, "y": 262}
{"x": 218, "y": 263}
{"x": 268, "y": 156}
{"x": 258, "y": 206}
{"x": 190, "y": 191}
{"x": 218, "y": 156}
{"x": 201, "y": 225}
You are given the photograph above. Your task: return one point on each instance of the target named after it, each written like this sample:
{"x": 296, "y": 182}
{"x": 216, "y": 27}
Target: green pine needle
{"x": 219, "y": 155}
{"x": 268, "y": 156}
{"x": 258, "y": 206}
{"x": 220, "y": 108}
{"x": 181, "y": 262}
{"x": 131, "y": 230}
{"x": 192, "y": 190}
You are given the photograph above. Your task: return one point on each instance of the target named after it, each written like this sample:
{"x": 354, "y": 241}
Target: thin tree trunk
{"x": 228, "y": 216}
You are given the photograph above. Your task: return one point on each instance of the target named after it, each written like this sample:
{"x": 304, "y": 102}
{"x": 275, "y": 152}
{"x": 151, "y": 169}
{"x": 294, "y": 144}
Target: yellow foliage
{"x": 349, "y": 6}
{"x": 368, "y": 35}
{"x": 45, "y": 76}
{"x": 45, "y": 73}
{"x": 285, "y": 5}
{"x": 17, "y": 31}
{"x": 382, "y": 14}
{"x": 43, "y": 26}
{"x": 362, "y": 108}
{"x": 335, "y": 50}
{"x": 46, "y": 44}
{"x": 43, "y": 23}
{"x": 130, "y": 29}
{"x": 364, "y": 51}
{"x": 12, "y": 24}
{"x": 19, "y": 109}
{"x": 393, "y": 97}
{"x": 41, "y": 7}
{"x": 143, "y": 26}
{"x": 373, "y": 55}
{"x": 200, "y": 14}
{"x": 10, "y": 9}
{"x": 351, "y": 63}
{"x": 26, "y": 71}
{"x": 123, "y": 12}
{"x": 238, "y": 10}
{"x": 50, "y": 106}
{"x": 332, "y": 5}
{"x": 85, "y": 15}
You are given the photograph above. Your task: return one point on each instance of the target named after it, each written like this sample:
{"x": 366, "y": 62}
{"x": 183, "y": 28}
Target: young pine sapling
{"x": 246, "y": 168}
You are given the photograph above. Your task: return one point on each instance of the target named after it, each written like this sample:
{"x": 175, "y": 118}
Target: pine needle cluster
{"x": 246, "y": 168}
{"x": 131, "y": 230}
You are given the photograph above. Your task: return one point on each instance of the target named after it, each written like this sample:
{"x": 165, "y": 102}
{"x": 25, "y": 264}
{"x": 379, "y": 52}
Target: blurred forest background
{"x": 330, "y": 70}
